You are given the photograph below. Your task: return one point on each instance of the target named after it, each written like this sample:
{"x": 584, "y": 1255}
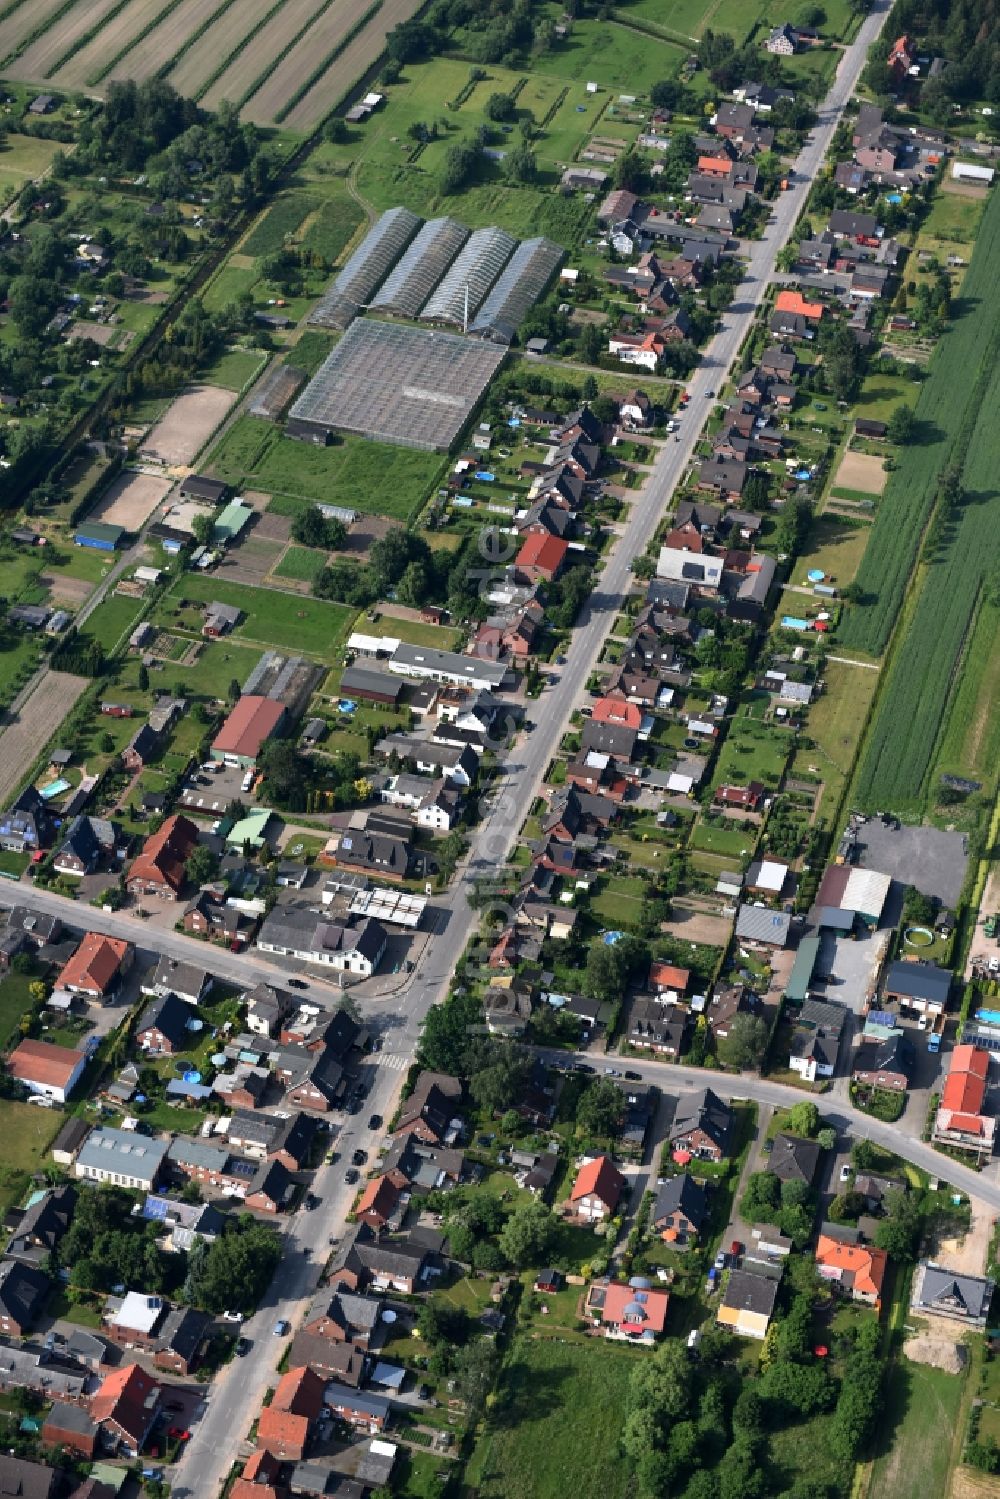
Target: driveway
{"x": 757, "y": 1159}
{"x": 852, "y": 966}
{"x": 932, "y": 859}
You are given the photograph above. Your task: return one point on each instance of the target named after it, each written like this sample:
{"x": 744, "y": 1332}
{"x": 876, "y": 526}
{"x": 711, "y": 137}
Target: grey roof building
{"x": 366, "y": 269}
{"x": 760, "y": 924}
{"x": 424, "y": 263}
{"x": 943, "y": 1293}
{"x": 128, "y": 1159}
{"x": 463, "y": 289}
{"x": 793, "y": 1158}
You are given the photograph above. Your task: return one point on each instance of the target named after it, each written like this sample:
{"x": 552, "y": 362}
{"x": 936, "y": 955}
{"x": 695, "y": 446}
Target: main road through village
{"x": 235, "y": 1396}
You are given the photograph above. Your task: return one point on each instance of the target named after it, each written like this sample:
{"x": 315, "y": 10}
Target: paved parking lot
{"x": 932, "y": 859}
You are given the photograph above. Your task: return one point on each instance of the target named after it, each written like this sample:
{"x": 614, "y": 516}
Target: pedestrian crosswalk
{"x": 394, "y": 1063}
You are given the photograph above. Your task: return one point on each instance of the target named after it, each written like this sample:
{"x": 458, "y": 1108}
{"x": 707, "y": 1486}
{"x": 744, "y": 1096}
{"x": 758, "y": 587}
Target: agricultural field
{"x": 923, "y": 690}
{"x": 946, "y": 409}
{"x": 688, "y": 19}
{"x": 23, "y": 158}
{"x": 369, "y": 476}
{"x": 835, "y": 725}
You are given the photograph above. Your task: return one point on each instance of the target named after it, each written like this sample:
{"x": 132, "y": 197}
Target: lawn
{"x": 753, "y": 751}
{"x": 14, "y": 1002}
{"x": 18, "y": 658}
{"x": 921, "y": 1414}
{"x": 235, "y": 368}
{"x": 731, "y": 840}
{"x": 113, "y": 619}
{"x": 881, "y": 394}
{"x": 369, "y": 476}
{"x": 285, "y": 621}
{"x": 27, "y": 1132}
{"x": 619, "y": 902}
{"x": 413, "y": 631}
{"x": 301, "y": 563}
{"x": 836, "y": 547}
{"x": 555, "y": 1426}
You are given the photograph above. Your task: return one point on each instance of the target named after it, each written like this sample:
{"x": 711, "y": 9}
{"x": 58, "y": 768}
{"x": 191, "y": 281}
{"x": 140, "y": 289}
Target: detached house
{"x": 943, "y": 1293}
{"x": 429, "y": 1112}
{"x": 858, "y": 1269}
{"x": 702, "y": 1126}
{"x": 597, "y": 1189}
{"x": 47, "y": 1070}
{"x": 126, "y": 1407}
{"x": 680, "y": 1211}
{"x": 96, "y": 968}
{"x": 285, "y": 1425}
{"x": 747, "y": 1304}
{"x": 159, "y": 869}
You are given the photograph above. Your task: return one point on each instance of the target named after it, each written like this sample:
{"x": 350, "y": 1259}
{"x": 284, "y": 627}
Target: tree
{"x": 439, "y": 1323}
{"x": 237, "y": 1267}
{"x": 107, "y": 744}
{"x": 898, "y": 1233}
{"x": 803, "y": 1388}
{"x": 527, "y": 1236}
{"x": 235, "y": 690}
{"x": 285, "y": 772}
{"x": 803, "y": 1119}
{"x": 309, "y": 527}
{"x": 447, "y": 1033}
{"x": 475, "y": 1372}
{"x": 745, "y": 1042}
{"x": 794, "y": 1194}
{"x": 202, "y": 527}
{"x": 762, "y": 1197}
{"x": 201, "y": 865}
{"x": 901, "y": 425}
{"x": 520, "y": 164}
{"x": 500, "y": 1080}
{"x": 500, "y": 107}
{"x": 142, "y": 679}
{"x": 826, "y": 1138}
{"x": 601, "y": 1109}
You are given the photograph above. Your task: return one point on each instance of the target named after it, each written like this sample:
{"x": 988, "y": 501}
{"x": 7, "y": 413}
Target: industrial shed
{"x": 394, "y": 383}
{"x": 366, "y": 269}
{"x": 526, "y": 276}
{"x": 464, "y": 288}
{"x": 421, "y": 268}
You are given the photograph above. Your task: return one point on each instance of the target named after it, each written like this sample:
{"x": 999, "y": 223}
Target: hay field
{"x": 353, "y": 63}
{"x": 243, "y": 72}
{"x": 164, "y": 41}
{"x": 188, "y": 423}
{"x": 45, "y": 53}
{"x": 222, "y": 38}
{"x": 89, "y": 65}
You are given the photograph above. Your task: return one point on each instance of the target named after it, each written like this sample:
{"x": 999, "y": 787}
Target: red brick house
{"x": 285, "y": 1424}
{"x": 70, "y": 1427}
{"x": 380, "y": 1199}
{"x": 597, "y": 1189}
{"x": 430, "y": 1108}
{"x": 747, "y": 798}
{"x": 159, "y": 869}
{"x": 259, "y": 1479}
{"x": 126, "y": 1407}
{"x": 541, "y": 558}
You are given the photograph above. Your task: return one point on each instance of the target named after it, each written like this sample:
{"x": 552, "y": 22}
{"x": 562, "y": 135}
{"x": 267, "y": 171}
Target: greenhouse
{"x": 421, "y": 268}
{"x": 520, "y": 285}
{"x": 366, "y": 269}
{"x": 464, "y": 288}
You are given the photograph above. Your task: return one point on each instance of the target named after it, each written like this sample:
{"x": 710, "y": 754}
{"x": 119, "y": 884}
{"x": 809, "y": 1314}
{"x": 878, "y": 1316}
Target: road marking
{"x": 394, "y": 1063}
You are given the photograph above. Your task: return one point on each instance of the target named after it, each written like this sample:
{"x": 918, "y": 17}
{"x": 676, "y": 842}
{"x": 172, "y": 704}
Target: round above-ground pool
{"x": 918, "y": 936}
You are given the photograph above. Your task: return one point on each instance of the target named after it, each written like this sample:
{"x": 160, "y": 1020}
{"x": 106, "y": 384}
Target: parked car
{"x": 232, "y": 1316}
{"x": 243, "y": 1346}
{"x": 359, "y": 1157}
{"x": 846, "y": 1172}
{"x": 375, "y": 1122}
{"x": 351, "y": 1176}
{"x": 297, "y": 984}
{"x": 720, "y": 1260}
{"x": 281, "y": 1328}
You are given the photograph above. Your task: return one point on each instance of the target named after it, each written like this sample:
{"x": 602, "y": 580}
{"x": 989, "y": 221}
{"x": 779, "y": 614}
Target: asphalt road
{"x": 236, "y": 1395}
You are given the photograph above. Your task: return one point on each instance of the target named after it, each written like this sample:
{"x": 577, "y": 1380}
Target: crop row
{"x": 921, "y": 693}
{"x": 943, "y": 409}
{"x": 281, "y": 219}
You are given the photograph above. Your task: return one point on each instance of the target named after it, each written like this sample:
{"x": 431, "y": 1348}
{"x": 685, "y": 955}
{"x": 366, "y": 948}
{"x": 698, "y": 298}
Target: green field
{"x": 835, "y": 725}
{"x": 301, "y": 563}
{"x": 234, "y": 369}
{"x": 753, "y": 751}
{"x": 837, "y": 547}
{"x": 555, "y": 1426}
{"x": 27, "y": 1133}
{"x": 946, "y": 409}
{"x": 286, "y": 621}
{"x": 921, "y": 1413}
{"x": 112, "y": 619}
{"x": 728, "y": 839}
{"x": 368, "y": 476}
{"x": 690, "y": 18}
{"x": 923, "y": 690}
{"x": 14, "y": 1002}
{"x": 970, "y": 745}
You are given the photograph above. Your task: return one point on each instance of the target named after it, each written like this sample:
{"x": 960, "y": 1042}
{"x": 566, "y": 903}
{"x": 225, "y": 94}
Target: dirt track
{"x": 34, "y": 724}
{"x": 131, "y": 500}
{"x": 861, "y": 471}
{"x": 188, "y": 423}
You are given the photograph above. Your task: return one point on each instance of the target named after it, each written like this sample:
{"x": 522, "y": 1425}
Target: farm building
{"x": 463, "y": 290}
{"x": 396, "y": 384}
{"x": 199, "y": 487}
{"x": 365, "y": 271}
{"x": 421, "y": 268}
{"x": 98, "y": 535}
{"x": 861, "y": 891}
{"x": 248, "y": 727}
{"x": 276, "y": 391}
{"x": 517, "y": 290}
{"x": 371, "y": 686}
{"x": 231, "y": 521}
{"x": 290, "y": 680}
{"x": 970, "y": 171}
